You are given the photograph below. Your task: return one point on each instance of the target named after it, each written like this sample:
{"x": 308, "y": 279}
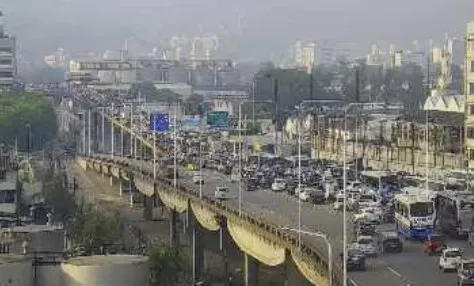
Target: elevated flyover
{"x": 256, "y": 235}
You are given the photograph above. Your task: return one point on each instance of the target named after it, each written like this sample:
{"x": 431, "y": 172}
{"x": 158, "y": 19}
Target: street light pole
{"x": 112, "y": 131}
{"x": 299, "y": 183}
{"x": 240, "y": 158}
{"x": 175, "y": 174}
{"x": 328, "y": 243}
{"x": 131, "y": 129}
{"x": 89, "y": 133}
{"x": 344, "y": 211}
{"x": 102, "y": 129}
{"x": 200, "y": 167}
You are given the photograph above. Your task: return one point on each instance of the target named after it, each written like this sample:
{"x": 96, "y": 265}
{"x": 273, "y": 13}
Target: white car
{"x": 366, "y": 244}
{"x": 304, "y": 195}
{"x": 198, "y": 179}
{"x": 450, "y": 259}
{"x": 278, "y": 185}
{"x": 339, "y": 203}
{"x": 367, "y": 214}
{"x": 222, "y": 193}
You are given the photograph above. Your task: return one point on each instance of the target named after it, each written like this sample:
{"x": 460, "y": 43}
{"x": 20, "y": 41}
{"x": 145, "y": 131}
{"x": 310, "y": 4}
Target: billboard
{"x": 160, "y": 122}
{"x": 218, "y": 119}
{"x": 191, "y": 122}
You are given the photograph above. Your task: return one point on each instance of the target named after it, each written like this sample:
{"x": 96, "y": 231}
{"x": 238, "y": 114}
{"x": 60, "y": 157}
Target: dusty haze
{"x": 257, "y": 29}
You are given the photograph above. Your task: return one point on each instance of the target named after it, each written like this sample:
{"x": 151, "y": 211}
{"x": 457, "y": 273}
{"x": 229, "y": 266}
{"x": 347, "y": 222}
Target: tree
{"x": 167, "y": 265}
{"x": 92, "y": 229}
{"x": 17, "y": 110}
{"x": 193, "y": 104}
{"x": 58, "y": 197}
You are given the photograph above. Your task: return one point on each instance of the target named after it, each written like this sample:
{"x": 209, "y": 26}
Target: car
{"x": 450, "y": 259}
{"x": 434, "y": 244}
{"x": 198, "y": 179}
{"x": 278, "y": 185}
{"x": 367, "y": 214}
{"x": 465, "y": 272}
{"x": 366, "y": 245}
{"x": 390, "y": 242}
{"x": 222, "y": 193}
{"x": 355, "y": 260}
{"x": 339, "y": 202}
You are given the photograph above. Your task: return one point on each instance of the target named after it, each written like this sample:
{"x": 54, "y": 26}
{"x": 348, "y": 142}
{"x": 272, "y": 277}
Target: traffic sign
{"x": 218, "y": 119}
{"x": 160, "y": 122}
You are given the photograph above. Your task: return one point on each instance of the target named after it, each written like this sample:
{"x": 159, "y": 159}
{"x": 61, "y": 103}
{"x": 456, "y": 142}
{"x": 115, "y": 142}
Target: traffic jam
{"x": 387, "y": 209}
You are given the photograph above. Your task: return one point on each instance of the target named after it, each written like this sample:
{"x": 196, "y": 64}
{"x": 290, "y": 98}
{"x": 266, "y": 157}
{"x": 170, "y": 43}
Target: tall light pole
{"x": 240, "y": 157}
{"x": 326, "y": 240}
{"x": 112, "y": 131}
{"x": 175, "y": 151}
{"x": 200, "y": 166}
{"x": 344, "y": 209}
{"x": 131, "y": 129}
{"x": 102, "y": 129}
{"x": 299, "y": 183}
{"x": 89, "y": 133}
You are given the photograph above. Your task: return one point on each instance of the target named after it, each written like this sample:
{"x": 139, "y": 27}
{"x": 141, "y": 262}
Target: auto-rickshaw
{"x": 434, "y": 244}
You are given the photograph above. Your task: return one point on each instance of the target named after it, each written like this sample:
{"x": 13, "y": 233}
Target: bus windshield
{"x": 421, "y": 209}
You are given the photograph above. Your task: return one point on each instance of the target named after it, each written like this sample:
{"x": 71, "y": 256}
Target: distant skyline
{"x": 250, "y": 29}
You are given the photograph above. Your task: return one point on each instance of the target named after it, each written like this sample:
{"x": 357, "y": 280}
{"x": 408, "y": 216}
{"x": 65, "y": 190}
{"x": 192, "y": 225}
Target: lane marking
{"x": 394, "y": 272}
{"x": 353, "y": 282}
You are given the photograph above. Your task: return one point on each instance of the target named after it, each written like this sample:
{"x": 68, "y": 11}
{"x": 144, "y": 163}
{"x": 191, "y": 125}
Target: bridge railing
{"x": 271, "y": 231}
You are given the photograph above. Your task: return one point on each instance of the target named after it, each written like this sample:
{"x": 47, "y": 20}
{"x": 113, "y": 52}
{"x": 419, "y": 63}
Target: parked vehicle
{"x": 450, "y": 259}
{"x": 434, "y": 244}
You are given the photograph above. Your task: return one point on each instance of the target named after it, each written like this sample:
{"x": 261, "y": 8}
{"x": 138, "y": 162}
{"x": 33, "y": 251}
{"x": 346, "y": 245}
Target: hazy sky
{"x": 267, "y": 26}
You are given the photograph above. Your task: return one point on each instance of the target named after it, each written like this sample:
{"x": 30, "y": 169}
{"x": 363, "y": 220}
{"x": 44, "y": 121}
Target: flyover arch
{"x": 262, "y": 247}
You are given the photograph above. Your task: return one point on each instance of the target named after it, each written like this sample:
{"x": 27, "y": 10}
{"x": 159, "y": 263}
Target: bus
{"x": 414, "y": 215}
{"x": 454, "y": 212}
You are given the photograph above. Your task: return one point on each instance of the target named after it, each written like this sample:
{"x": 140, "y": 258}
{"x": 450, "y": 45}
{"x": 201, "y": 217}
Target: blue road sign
{"x": 160, "y": 122}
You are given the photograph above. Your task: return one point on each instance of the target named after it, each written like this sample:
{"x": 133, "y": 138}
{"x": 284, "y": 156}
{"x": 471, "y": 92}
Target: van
{"x": 222, "y": 193}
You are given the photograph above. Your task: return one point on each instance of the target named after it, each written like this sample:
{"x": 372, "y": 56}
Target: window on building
{"x": 471, "y": 88}
{"x": 472, "y": 66}
{"x": 471, "y": 109}
{"x": 470, "y": 45}
{"x": 470, "y": 132}
{"x": 5, "y": 61}
{"x": 6, "y": 74}
{"x": 5, "y": 49}
{"x": 471, "y": 154}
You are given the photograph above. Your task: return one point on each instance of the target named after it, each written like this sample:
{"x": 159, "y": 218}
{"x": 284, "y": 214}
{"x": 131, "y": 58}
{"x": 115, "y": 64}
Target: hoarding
{"x": 160, "y": 122}
{"x": 191, "y": 122}
{"x": 218, "y": 119}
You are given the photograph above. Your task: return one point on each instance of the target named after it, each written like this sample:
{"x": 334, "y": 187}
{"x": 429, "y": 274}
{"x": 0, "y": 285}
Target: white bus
{"x": 414, "y": 215}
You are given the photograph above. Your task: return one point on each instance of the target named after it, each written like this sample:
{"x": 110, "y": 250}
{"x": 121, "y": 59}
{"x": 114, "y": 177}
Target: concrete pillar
{"x": 120, "y": 187}
{"x": 148, "y": 207}
{"x": 198, "y": 253}
{"x": 250, "y": 270}
{"x": 174, "y": 239}
{"x": 111, "y": 180}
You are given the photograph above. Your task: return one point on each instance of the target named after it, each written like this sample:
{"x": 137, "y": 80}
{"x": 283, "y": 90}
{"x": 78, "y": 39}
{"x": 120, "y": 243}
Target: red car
{"x": 434, "y": 244}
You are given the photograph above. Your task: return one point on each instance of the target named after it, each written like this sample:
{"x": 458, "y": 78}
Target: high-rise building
{"x": 7, "y": 57}
{"x": 469, "y": 94}
{"x": 304, "y": 54}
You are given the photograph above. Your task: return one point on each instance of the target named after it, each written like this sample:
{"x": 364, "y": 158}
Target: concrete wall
{"x": 16, "y": 270}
